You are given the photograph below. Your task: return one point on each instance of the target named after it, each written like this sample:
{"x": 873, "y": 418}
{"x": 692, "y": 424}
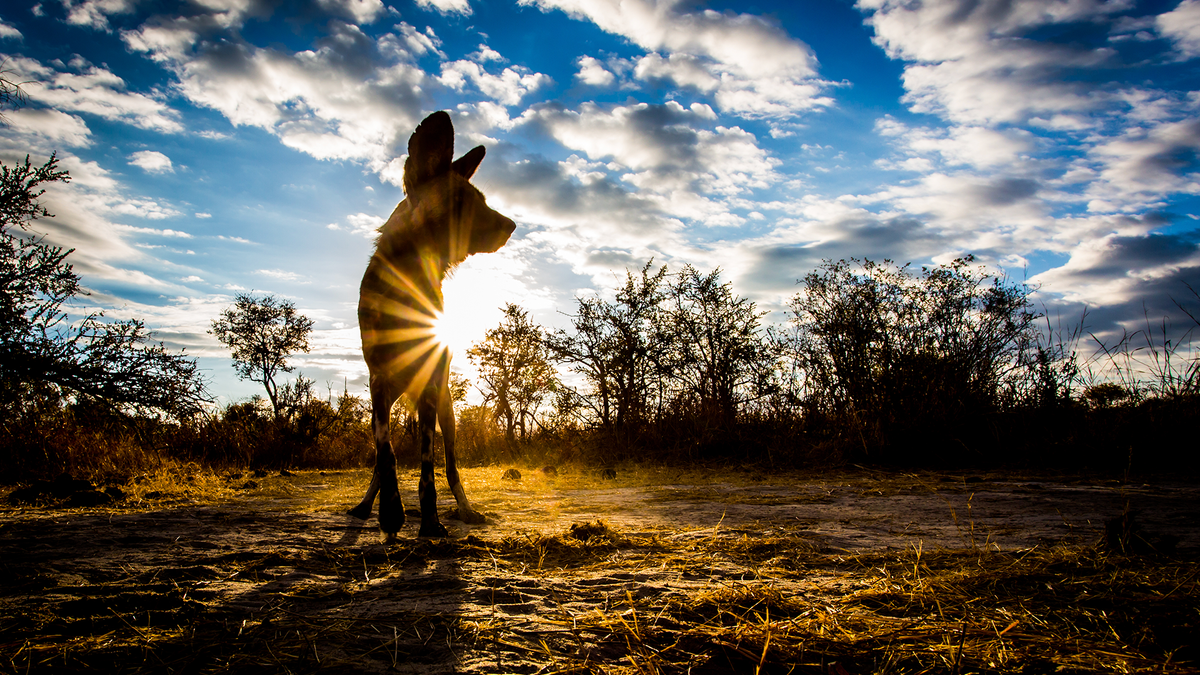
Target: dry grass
{"x": 589, "y": 599}
{"x": 1072, "y": 609}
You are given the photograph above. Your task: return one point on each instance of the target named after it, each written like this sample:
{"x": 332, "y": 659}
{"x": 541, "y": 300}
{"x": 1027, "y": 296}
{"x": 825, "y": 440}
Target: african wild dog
{"x": 442, "y": 220}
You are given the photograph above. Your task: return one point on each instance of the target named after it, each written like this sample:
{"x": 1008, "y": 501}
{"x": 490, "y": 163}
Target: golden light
{"x": 405, "y": 342}
{"x": 441, "y": 330}
{"x": 412, "y": 329}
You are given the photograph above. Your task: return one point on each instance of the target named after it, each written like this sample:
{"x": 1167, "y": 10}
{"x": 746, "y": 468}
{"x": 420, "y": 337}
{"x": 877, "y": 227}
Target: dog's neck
{"x": 408, "y": 234}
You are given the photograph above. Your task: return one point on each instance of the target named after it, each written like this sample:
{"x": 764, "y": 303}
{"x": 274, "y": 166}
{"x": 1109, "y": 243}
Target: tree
{"x": 620, "y": 349}
{"x": 262, "y": 333}
{"x": 44, "y": 356}
{"x": 10, "y": 92}
{"x": 514, "y": 364}
{"x": 888, "y": 349}
{"x": 717, "y": 356}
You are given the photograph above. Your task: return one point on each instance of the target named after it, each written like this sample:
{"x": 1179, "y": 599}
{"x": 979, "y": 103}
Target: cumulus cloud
{"x": 283, "y": 275}
{"x": 95, "y": 13}
{"x": 974, "y": 63}
{"x": 9, "y": 31}
{"x": 570, "y": 219}
{"x": 962, "y": 145}
{"x": 486, "y": 54}
{"x": 84, "y": 88}
{"x": 362, "y": 224}
{"x": 152, "y": 161}
{"x": 91, "y": 215}
{"x": 747, "y": 64}
{"x": 39, "y": 128}
{"x": 507, "y": 88}
{"x": 663, "y": 148}
{"x": 1040, "y": 146}
{"x": 358, "y": 11}
{"x": 1137, "y": 168}
{"x": 156, "y": 232}
{"x": 1182, "y": 26}
{"x": 1124, "y": 279}
{"x": 462, "y": 7}
{"x": 592, "y": 72}
{"x": 351, "y": 97}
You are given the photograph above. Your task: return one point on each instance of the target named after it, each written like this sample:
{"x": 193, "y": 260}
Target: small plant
{"x": 1105, "y": 394}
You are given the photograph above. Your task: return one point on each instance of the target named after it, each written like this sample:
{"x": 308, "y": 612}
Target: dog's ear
{"x": 466, "y": 165}
{"x": 430, "y": 150}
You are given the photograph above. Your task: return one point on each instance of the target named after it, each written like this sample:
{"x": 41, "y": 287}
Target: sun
{"x": 440, "y": 330}
{"x": 471, "y": 306}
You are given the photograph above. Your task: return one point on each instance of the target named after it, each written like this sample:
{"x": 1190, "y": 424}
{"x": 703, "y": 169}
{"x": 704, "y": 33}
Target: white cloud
{"x": 972, "y": 64}
{"x": 352, "y": 97}
{"x": 7, "y": 30}
{"x": 152, "y": 161}
{"x": 486, "y": 54}
{"x": 282, "y": 275}
{"x": 95, "y": 13}
{"x": 1141, "y": 271}
{"x": 592, "y": 72}
{"x": 88, "y": 214}
{"x": 92, "y": 90}
{"x": 462, "y": 7}
{"x": 143, "y": 208}
{"x": 360, "y": 11}
{"x": 53, "y": 128}
{"x": 477, "y": 118}
{"x": 1182, "y": 25}
{"x": 963, "y": 145}
{"x": 202, "y": 214}
{"x": 1036, "y": 151}
{"x": 149, "y": 230}
{"x": 750, "y": 66}
{"x": 507, "y": 88}
{"x": 362, "y": 224}
{"x": 666, "y": 146}
{"x": 1139, "y": 167}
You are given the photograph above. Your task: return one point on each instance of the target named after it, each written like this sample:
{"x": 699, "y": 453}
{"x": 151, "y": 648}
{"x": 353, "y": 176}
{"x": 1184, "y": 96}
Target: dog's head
{"x": 455, "y": 214}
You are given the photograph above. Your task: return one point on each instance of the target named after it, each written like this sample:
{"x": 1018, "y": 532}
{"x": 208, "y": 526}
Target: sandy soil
{"x": 277, "y": 578}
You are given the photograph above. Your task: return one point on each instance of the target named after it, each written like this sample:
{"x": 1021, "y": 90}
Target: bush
{"x": 898, "y": 362}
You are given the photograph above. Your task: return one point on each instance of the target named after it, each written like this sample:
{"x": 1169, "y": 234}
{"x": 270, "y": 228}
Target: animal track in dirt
{"x": 279, "y": 577}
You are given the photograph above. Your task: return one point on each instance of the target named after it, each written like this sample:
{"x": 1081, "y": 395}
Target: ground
{"x": 653, "y": 571}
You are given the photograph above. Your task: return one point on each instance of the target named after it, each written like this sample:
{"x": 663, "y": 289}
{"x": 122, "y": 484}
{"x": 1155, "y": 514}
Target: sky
{"x": 219, "y": 147}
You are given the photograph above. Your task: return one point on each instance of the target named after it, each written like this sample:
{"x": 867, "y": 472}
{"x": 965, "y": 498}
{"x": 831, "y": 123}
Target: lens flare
{"x": 403, "y": 308}
{"x": 440, "y": 330}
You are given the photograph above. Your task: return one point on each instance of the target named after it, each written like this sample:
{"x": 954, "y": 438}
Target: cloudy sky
{"x": 223, "y": 146}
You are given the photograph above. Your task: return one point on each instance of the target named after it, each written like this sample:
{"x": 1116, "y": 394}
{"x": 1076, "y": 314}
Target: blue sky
{"x": 223, "y": 146}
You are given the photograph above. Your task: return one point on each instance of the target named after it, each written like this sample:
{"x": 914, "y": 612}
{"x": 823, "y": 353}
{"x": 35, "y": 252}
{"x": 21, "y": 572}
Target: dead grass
{"x": 1065, "y": 609}
{"x": 85, "y": 592}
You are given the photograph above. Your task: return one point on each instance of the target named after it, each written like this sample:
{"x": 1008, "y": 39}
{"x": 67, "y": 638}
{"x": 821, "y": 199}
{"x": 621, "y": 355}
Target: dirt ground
{"x": 686, "y": 572}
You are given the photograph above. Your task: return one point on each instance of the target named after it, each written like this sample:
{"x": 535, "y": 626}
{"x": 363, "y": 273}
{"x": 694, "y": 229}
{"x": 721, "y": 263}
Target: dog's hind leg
{"x": 383, "y": 480}
{"x": 446, "y": 420}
